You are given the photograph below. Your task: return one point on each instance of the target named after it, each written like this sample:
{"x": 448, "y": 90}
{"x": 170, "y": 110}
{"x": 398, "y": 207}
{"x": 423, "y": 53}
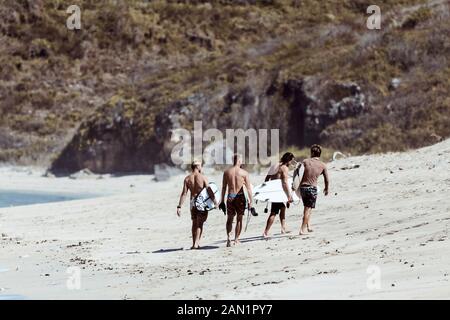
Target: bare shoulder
{"x": 284, "y": 172}
{"x": 226, "y": 173}
{"x": 243, "y": 173}
{"x": 199, "y": 176}
{"x": 188, "y": 181}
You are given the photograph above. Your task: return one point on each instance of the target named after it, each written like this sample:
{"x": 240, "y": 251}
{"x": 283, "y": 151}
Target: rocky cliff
{"x": 106, "y": 97}
{"x": 112, "y": 140}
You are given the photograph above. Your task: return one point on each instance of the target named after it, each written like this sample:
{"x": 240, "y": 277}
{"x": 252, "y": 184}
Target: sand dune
{"x": 390, "y": 216}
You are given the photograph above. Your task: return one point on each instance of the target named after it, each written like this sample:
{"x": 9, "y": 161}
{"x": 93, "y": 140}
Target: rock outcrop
{"x": 117, "y": 138}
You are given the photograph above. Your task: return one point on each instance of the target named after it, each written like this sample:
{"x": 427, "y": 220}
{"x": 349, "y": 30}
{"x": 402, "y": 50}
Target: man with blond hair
{"x": 195, "y": 183}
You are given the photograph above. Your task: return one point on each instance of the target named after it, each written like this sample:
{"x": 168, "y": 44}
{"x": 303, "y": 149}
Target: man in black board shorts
{"x": 280, "y": 171}
{"x": 195, "y": 183}
{"x": 308, "y": 186}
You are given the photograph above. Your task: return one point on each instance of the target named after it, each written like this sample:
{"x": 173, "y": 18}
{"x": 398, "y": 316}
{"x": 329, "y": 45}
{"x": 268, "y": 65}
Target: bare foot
{"x": 236, "y": 242}
{"x": 285, "y": 231}
{"x": 303, "y": 232}
{"x": 265, "y": 235}
{"x": 310, "y": 230}
{"x": 228, "y": 243}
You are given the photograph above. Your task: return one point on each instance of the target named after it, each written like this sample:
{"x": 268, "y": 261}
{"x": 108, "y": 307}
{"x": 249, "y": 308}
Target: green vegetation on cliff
{"x": 147, "y": 56}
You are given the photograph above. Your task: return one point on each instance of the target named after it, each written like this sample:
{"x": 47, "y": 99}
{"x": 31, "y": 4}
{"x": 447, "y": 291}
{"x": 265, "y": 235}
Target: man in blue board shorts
{"x": 235, "y": 179}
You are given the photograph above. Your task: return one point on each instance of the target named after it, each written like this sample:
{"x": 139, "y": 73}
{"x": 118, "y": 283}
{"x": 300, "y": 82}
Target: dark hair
{"x": 316, "y": 150}
{"x": 288, "y": 156}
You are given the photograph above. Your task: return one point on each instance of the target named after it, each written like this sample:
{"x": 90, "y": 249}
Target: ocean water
{"x": 11, "y": 297}
{"x": 19, "y": 198}
{"x": 14, "y": 198}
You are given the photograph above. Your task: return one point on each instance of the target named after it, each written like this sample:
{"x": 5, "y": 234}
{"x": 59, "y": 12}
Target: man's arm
{"x": 224, "y": 188}
{"x": 285, "y": 184}
{"x": 182, "y": 196}
{"x": 327, "y": 180}
{"x": 248, "y": 185}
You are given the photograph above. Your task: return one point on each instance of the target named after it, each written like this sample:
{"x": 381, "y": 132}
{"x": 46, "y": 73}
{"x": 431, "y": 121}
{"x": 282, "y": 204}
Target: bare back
{"x": 195, "y": 182}
{"x": 235, "y": 179}
{"x": 313, "y": 169}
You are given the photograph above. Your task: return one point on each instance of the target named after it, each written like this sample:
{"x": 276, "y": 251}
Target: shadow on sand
{"x": 168, "y": 250}
{"x": 243, "y": 240}
{"x": 258, "y": 238}
{"x": 208, "y": 247}
{"x": 182, "y": 249}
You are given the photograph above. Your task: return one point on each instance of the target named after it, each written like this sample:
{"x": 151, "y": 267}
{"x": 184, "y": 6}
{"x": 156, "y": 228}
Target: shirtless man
{"x": 280, "y": 171}
{"x": 195, "y": 182}
{"x": 308, "y": 186}
{"x": 235, "y": 179}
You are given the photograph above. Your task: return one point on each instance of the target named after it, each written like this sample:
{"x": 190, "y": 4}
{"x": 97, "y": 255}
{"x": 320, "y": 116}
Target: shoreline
{"x": 391, "y": 212}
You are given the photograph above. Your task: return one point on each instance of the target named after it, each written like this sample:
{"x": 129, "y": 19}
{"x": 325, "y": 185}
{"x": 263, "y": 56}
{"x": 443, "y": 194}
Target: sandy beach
{"x": 389, "y": 213}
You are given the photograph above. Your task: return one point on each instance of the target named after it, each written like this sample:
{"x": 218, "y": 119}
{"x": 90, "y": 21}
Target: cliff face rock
{"x": 117, "y": 137}
{"x": 329, "y": 101}
{"x": 110, "y": 140}
{"x": 233, "y": 64}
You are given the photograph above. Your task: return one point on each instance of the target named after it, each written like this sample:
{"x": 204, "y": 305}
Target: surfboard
{"x": 247, "y": 207}
{"x": 272, "y": 191}
{"x": 246, "y": 197}
{"x": 203, "y": 201}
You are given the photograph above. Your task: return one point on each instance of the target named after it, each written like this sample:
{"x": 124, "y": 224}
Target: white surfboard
{"x": 203, "y": 201}
{"x": 272, "y": 191}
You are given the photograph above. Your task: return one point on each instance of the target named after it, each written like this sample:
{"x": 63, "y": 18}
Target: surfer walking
{"x": 195, "y": 183}
{"x": 313, "y": 168}
{"x": 234, "y": 180}
{"x": 280, "y": 171}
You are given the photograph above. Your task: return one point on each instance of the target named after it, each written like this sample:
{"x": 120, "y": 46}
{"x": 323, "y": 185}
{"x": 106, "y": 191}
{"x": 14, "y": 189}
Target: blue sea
{"x": 15, "y": 198}
{"x": 19, "y": 198}
{"x": 10, "y": 296}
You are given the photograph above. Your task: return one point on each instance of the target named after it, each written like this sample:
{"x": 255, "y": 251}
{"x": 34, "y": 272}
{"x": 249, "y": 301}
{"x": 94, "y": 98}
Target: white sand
{"x": 393, "y": 212}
